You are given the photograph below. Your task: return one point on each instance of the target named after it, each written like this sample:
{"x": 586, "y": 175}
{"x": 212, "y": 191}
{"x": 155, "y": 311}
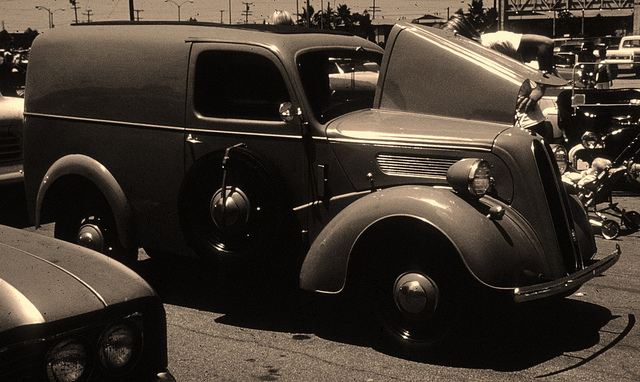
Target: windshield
{"x": 338, "y": 82}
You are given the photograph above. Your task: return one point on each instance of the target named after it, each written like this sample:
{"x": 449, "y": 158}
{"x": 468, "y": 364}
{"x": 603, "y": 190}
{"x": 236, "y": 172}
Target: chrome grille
{"x": 399, "y": 165}
{"x": 558, "y": 206}
{"x": 10, "y": 148}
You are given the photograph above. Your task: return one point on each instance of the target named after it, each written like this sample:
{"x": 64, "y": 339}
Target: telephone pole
{"x": 88, "y": 14}
{"x": 138, "y": 13}
{"x": 374, "y": 8}
{"x": 75, "y": 9}
{"x": 246, "y": 12}
{"x": 131, "y": 9}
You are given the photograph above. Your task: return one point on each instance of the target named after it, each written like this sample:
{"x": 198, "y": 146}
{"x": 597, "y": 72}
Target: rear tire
{"x": 92, "y": 225}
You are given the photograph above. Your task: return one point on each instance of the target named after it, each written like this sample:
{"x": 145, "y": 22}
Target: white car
{"x": 11, "y": 109}
{"x": 352, "y": 76}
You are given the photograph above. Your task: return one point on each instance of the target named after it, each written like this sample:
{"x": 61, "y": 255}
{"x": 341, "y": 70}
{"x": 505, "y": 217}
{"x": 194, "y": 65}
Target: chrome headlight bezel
{"x": 68, "y": 360}
{"x": 470, "y": 177}
{"x": 119, "y": 347}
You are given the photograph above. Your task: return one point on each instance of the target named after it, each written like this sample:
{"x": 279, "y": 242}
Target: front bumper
{"x": 564, "y": 284}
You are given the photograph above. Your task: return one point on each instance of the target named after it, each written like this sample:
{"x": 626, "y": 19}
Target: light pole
{"x": 40, "y": 7}
{"x": 178, "y": 5}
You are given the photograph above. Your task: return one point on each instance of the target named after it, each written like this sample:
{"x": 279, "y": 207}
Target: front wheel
{"x": 421, "y": 293}
{"x": 93, "y": 228}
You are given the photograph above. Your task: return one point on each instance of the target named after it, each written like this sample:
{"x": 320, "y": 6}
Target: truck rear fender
{"x": 78, "y": 165}
{"x": 495, "y": 252}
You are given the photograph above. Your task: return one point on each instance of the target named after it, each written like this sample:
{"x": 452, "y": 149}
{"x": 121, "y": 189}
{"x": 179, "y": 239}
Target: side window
{"x": 231, "y": 84}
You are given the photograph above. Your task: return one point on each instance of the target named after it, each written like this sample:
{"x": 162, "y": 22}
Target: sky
{"x": 18, "y": 15}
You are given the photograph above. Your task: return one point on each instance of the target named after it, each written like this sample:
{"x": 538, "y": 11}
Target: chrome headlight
{"x": 591, "y": 140}
{"x": 67, "y": 361}
{"x": 470, "y": 176}
{"x": 562, "y": 159}
{"x": 119, "y": 347}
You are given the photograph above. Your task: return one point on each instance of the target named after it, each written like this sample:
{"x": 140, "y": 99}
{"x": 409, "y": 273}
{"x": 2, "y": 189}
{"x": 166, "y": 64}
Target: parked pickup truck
{"x": 226, "y": 142}
{"x": 627, "y": 56}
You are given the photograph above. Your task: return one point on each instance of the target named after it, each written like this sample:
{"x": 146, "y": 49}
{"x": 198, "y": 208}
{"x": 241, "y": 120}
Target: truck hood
{"x": 43, "y": 280}
{"x": 415, "y": 129}
{"x": 431, "y": 71}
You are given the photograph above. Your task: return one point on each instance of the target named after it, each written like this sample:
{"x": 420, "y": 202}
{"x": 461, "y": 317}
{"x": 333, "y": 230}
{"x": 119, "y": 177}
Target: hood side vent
{"x": 414, "y": 166}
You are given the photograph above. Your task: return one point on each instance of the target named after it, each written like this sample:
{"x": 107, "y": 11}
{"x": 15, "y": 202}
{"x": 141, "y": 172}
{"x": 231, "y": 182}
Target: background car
{"x": 11, "y": 109}
{"x": 71, "y": 314}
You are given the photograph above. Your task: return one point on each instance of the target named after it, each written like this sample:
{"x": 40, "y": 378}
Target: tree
{"x": 343, "y": 16}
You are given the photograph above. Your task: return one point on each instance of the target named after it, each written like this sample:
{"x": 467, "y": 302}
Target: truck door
{"x": 245, "y": 167}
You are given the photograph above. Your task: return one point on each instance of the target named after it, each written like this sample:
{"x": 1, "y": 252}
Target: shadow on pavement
{"x": 510, "y": 338}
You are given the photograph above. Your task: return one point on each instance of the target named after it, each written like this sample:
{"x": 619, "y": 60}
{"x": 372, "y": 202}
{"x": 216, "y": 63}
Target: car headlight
{"x": 591, "y": 140}
{"x": 119, "y": 347}
{"x": 562, "y": 159}
{"x": 67, "y": 361}
{"x": 470, "y": 176}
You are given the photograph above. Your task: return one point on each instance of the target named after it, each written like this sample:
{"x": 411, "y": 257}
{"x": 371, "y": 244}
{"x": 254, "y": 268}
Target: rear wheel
{"x": 92, "y": 225}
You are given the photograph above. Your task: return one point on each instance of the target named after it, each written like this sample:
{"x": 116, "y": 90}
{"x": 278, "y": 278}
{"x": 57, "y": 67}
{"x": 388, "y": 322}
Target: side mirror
{"x": 288, "y": 112}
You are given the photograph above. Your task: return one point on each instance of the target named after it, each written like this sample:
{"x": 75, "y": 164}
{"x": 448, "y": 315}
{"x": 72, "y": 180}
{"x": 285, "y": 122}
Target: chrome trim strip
{"x": 72, "y": 275}
{"x": 164, "y": 127}
{"x": 352, "y": 194}
{"x": 403, "y": 144}
{"x": 343, "y": 196}
{"x": 106, "y": 121}
{"x": 246, "y": 133}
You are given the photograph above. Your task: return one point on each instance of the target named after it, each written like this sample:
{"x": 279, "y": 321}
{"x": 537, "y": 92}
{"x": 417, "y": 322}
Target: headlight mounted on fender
{"x": 562, "y": 158}
{"x": 470, "y": 177}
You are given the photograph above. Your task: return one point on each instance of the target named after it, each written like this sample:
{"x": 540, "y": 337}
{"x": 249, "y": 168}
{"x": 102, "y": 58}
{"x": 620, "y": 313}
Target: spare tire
{"x": 245, "y": 220}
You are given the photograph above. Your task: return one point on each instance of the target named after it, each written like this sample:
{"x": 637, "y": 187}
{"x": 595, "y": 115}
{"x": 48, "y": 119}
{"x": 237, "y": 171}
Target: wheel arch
{"x": 485, "y": 247}
{"x": 79, "y": 172}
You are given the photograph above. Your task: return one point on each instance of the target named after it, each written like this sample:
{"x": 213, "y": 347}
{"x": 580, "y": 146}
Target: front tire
{"x": 421, "y": 292}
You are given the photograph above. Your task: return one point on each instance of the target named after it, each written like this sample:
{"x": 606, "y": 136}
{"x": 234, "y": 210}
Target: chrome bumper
{"x": 574, "y": 280}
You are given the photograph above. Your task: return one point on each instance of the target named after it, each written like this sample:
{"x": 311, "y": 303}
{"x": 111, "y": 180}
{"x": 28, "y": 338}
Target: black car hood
{"x": 44, "y": 280}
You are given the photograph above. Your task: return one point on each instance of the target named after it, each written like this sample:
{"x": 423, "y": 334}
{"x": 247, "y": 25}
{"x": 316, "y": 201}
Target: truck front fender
{"x": 96, "y": 173}
{"x": 499, "y": 252}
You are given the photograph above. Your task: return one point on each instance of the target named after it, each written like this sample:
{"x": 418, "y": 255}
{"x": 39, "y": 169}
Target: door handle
{"x": 193, "y": 140}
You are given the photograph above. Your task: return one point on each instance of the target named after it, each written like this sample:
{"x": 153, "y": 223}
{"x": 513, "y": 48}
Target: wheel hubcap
{"x": 415, "y": 294}
{"x": 90, "y": 236}
{"x": 233, "y": 215}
